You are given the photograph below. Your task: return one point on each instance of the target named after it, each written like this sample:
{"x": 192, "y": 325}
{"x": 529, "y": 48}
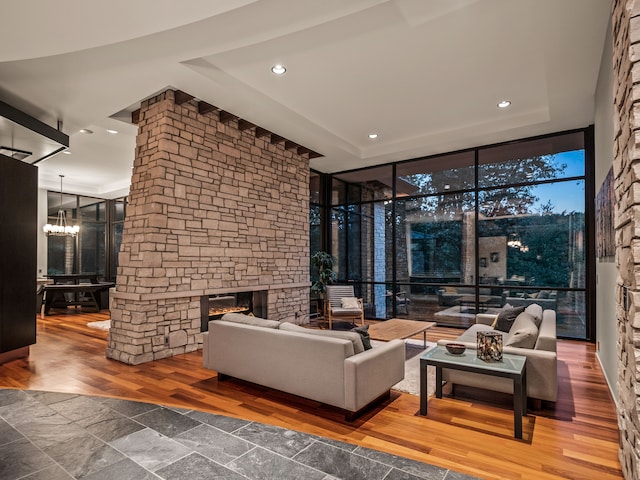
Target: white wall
{"x": 606, "y": 323}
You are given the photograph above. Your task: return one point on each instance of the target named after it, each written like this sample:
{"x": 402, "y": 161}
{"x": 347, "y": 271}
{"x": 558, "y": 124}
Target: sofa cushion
{"x": 250, "y": 320}
{"x": 535, "y": 310}
{"x": 352, "y": 336}
{"x": 337, "y": 311}
{"x": 523, "y": 333}
{"x": 470, "y": 335}
{"x": 363, "y": 331}
{"x": 506, "y": 318}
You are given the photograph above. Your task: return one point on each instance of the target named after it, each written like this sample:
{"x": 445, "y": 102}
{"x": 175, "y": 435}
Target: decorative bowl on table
{"x": 455, "y": 348}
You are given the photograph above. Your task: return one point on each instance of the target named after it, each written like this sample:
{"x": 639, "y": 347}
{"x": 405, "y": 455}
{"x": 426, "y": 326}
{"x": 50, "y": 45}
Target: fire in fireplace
{"x": 214, "y": 307}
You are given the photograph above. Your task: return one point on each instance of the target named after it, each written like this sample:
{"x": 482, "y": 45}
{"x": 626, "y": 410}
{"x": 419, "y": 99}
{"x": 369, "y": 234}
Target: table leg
{"x": 423, "y": 387}
{"x": 517, "y": 407}
{"x": 424, "y": 338}
{"x": 48, "y": 301}
{"x": 95, "y": 300}
{"x": 438, "y": 382}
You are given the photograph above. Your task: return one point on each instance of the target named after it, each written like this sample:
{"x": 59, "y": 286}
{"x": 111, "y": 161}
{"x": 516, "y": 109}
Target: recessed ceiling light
{"x": 447, "y": 186}
{"x": 504, "y": 104}
{"x": 112, "y": 132}
{"x": 373, "y": 136}
{"x": 67, "y": 152}
{"x": 86, "y": 131}
{"x": 278, "y": 69}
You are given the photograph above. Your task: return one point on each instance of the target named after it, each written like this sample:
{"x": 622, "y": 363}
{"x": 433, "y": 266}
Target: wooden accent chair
{"x": 336, "y": 309}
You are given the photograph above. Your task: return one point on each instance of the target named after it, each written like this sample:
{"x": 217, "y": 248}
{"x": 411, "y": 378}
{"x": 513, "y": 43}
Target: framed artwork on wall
{"x": 605, "y": 236}
{"x": 495, "y": 257}
{"x": 483, "y": 262}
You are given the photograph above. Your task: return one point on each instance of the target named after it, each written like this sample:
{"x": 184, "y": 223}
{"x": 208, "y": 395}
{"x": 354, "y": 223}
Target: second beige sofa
{"x": 317, "y": 364}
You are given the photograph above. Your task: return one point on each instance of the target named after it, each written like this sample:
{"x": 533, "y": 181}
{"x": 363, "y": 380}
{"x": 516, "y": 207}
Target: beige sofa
{"x": 542, "y": 359}
{"x": 320, "y": 365}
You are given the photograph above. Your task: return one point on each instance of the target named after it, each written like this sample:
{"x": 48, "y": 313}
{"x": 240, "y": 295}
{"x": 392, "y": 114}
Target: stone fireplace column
{"x": 212, "y": 209}
{"x": 626, "y": 169}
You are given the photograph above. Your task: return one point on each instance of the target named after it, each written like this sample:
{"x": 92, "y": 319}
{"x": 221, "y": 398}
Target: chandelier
{"x": 515, "y": 242}
{"x": 61, "y": 229}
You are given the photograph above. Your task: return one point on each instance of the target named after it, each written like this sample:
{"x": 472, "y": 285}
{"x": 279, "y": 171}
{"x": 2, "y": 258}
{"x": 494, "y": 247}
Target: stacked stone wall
{"x": 626, "y": 167}
{"x": 212, "y": 208}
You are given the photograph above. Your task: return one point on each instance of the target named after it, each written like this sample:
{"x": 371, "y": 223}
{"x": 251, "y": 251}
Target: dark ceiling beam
{"x": 262, "y": 132}
{"x": 289, "y": 145}
{"x": 245, "y": 125}
{"x": 226, "y": 117}
{"x": 204, "y": 107}
{"x": 181, "y": 97}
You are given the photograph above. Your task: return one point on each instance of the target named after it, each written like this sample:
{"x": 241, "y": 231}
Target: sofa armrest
{"x": 486, "y": 318}
{"x": 547, "y": 337}
{"x": 542, "y": 372}
{"x": 371, "y": 373}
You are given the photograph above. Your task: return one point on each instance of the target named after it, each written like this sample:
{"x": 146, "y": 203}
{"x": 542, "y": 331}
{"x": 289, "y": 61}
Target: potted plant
{"x": 323, "y": 261}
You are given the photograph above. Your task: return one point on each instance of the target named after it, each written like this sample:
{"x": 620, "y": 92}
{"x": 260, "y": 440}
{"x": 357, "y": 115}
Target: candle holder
{"x": 490, "y": 346}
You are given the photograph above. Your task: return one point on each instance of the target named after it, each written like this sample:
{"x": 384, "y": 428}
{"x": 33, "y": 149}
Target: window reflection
{"x": 423, "y": 254}
{"x": 432, "y": 238}
{"x": 374, "y": 183}
{"x": 436, "y": 174}
{"x": 532, "y": 161}
{"x": 542, "y": 241}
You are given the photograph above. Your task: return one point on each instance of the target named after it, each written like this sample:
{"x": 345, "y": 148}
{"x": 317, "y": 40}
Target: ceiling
{"x": 425, "y": 75}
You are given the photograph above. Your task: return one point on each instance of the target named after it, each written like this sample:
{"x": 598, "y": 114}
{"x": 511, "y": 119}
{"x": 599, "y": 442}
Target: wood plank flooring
{"x": 577, "y": 438}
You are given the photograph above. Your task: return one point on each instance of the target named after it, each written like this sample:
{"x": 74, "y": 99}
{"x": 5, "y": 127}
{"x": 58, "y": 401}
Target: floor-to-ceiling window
{"x": 445, "y": 237}
{"x": 92, "y": 236}
{"x": 316, "y": 241}
{"x": 116, "y": 209}
{"x": 95, "y": 248}
{"x": 62, "y": 256}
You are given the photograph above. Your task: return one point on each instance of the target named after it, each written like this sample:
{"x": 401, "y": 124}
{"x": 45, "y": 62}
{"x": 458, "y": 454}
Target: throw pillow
{"x": 353, "y": 337}
{"x": 536, "y": 311}
{"x": 506, "y": 317}
{"x": 350, "y": 302}
{"x": 523, "y": 333}
{"x": 364, "y": 335}
{"x": 544, "y": 294}
{"x": 495, "y": 320}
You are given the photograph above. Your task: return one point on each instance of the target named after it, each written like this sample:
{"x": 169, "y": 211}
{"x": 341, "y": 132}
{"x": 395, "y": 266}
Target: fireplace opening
{"x": 213, "y": 307}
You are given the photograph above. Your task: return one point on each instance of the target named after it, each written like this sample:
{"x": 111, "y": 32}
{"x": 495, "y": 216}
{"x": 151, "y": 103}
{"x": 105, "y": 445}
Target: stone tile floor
{"x": 58, "y": 436}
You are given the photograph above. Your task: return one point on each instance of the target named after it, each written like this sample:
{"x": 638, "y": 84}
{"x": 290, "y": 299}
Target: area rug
{"x": 411, "y": 383}
{"x": 102, "y": 325}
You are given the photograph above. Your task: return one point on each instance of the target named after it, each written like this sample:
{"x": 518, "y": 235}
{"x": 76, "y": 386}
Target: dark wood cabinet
{"x": 18, "y": 251}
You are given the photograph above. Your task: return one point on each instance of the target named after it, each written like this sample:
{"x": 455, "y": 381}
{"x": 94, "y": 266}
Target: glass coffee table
{"x": 511, "y": 366}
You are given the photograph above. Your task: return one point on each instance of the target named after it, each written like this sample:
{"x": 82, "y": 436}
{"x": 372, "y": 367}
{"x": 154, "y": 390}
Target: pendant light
{"x": 61, "y": 229}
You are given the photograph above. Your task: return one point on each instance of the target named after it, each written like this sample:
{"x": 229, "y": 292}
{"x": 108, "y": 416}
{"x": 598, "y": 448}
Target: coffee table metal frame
{"x": 511, "y": 366}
